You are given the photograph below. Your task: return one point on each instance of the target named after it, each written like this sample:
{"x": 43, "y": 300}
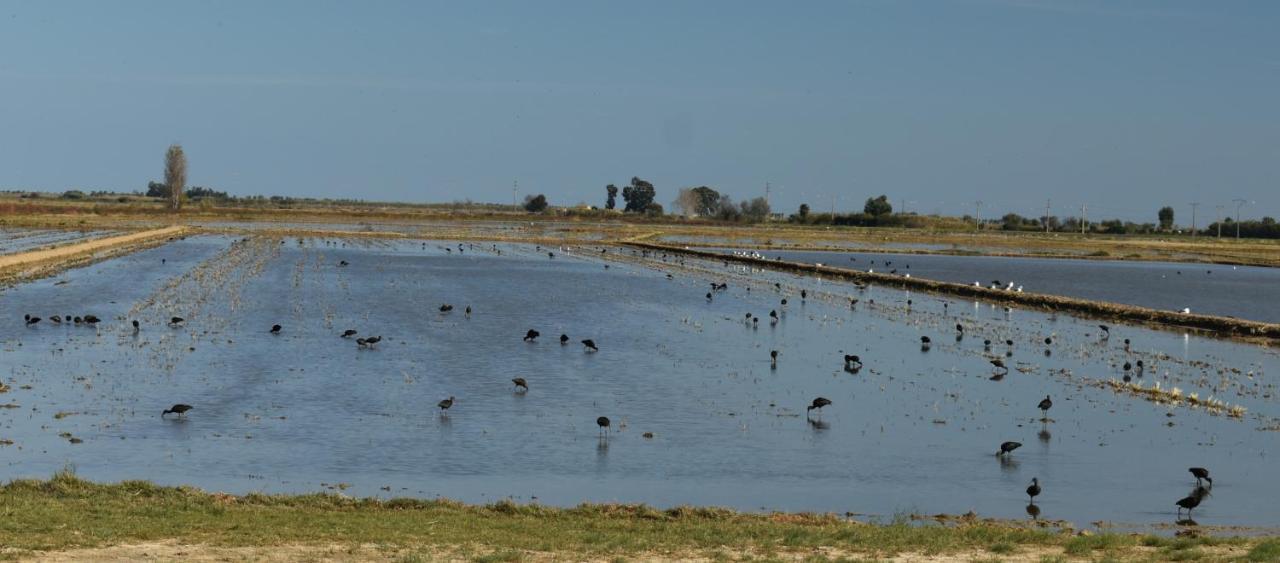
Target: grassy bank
{"x": 65, "y": 516}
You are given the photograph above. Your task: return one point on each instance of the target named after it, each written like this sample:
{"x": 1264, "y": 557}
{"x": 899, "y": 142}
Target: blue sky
{"x": 1121, "y": 105}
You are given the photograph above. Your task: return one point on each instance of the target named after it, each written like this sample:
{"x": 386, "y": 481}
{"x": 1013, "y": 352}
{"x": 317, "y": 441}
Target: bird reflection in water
{"x": 1033, "y": 511}
{"x": 818, "y": 424}
{"x": 1044, "y": 435}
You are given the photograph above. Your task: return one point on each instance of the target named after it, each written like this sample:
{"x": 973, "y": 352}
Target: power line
{"x": 1193, "y": 219}
{"x": 1239, "y": 202}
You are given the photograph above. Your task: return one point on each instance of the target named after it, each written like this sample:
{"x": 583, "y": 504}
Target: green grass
{"x": 66, "y": 512}
{"x": 1266, "y": 551}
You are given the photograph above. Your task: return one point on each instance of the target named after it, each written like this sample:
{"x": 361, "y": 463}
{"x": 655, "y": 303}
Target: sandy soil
{"x": 173, "y": 550}
{"x": 35, "y": 263}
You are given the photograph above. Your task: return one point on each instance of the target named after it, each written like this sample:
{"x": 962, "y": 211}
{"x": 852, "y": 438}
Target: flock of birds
{"x": 852, "y": 363}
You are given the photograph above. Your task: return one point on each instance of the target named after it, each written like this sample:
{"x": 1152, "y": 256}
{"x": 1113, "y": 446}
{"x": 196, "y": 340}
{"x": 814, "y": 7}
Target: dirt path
{"x": 32, "y": 262}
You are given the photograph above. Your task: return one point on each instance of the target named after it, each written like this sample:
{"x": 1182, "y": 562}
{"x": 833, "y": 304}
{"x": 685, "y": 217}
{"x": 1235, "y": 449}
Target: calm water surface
{"x": 1236, "y": 291}
{"x": 306, "y": 410}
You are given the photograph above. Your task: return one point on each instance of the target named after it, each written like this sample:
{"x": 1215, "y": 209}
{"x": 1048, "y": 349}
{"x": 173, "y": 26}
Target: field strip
{"x": 1221, "y": 326}
{"x": 71, "y": 252}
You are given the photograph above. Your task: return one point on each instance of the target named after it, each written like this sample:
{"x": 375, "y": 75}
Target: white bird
{"x": 1010, "y": 286}
{"x": 1186, "y": 310}
{"x": 977, "y": 284}
{"x": 1019, "y": 289}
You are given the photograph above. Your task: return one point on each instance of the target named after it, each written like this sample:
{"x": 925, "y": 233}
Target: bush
{"x": 73, "y": 194}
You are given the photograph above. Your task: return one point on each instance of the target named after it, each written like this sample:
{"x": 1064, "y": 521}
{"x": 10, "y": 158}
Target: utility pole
{"x": 833, "y": 209}
{"x": 1193, "y": 219}
{"x": 977, "y": 211}
{"x": 766, "y": 193}
{"x": 1219, "y": 221}
{"x": 515, "y": 201}
{"x": 1046, "y": 214}
{"x": 1083, "y": 217}
{"x": 1239, "y": 202}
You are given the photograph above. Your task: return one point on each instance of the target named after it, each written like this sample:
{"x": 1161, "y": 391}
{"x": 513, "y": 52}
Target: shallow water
{"x": 1236, "y": 291}
{"x": 306, "y": 410}
{"x": 21, "y": 240}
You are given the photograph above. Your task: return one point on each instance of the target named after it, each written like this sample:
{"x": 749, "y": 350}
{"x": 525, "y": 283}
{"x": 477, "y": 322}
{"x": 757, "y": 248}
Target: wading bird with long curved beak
{"x": 590, "y": 345}
{"x": 1200, "y": 474}
{"x": 852, "y": 362}
{"x": 532, "y": 335}
{"x": 603, "y": 423}
{"x": 445, "y": 404}
{"x": 178, "y": 409}
{"x": 1044, "y": 407}
{"x": 1034, "y": 490}
{"x": 1007, "y": 448}
{"x": 818, "y": 403}
{"x": 1191, "y": 501}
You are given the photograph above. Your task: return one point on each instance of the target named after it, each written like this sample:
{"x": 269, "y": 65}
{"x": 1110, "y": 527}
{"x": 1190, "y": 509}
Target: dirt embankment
{"x": 38, "y": 263}
{"x": 1221, "y": 326}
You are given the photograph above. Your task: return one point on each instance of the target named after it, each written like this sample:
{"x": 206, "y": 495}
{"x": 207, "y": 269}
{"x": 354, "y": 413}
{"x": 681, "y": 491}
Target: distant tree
{"x": 654, "y": 209}
{"x": 701, "y": 201}
{"x": 198, "y": 192}
{"x": 755, "y": 209}
{"x": 535, "y": 203}
{"x": 877, "y": 206}
{"x": 73, "y": 194}
{"x": 175, "y": 175}
{"x": 613, "y": 196}
{"x": 1166, "y": 218}
{"x": 156, "y": 189}
{"x": 804, "y": 211}
{"x": 638, "y": 196}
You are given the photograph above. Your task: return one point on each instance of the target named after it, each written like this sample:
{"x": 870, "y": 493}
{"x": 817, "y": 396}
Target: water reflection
{"x": 1033, "y": 511}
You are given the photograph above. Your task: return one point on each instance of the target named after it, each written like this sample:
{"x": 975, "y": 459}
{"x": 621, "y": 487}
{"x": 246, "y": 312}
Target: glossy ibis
{"x": 445, "y": 308}
{"x": 349, "y": 333}
{"x": 445, "y": 404}
{"x": 175, "y": 321}
{"x": 590, "y": 345}
{"x": 1191, "y": 501}
{"x": 773, "y": 358}
{"x": 603, "y": 423}
{"x": 532, "y": 335}
{"x": 178, "y": 409}
{"x": 1201, "y": 473}
{"x": 1044, "y": 406}
{"x": 564, "y": 339}
{"x": 818, "y": 403}
{"x": 852, "y": 362}
{"x": 1008, "y": 447}
{"x": 275, "y": 329}
{"x": 92, "y": 319}
{"x": 520, "y": 383}
{"x": 1034, "y": 490}
{"x": 30, "y": 320}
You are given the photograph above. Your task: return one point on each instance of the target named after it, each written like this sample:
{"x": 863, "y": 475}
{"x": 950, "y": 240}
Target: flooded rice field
{"x": 699, "y": 414}
{"x": 1246, "y": 292}
{"x": 498, "y": 230}
{"x": 21, "y": 240}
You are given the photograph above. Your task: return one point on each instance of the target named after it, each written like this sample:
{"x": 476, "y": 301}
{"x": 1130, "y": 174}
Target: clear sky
{"x": 1122, "y": 105}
